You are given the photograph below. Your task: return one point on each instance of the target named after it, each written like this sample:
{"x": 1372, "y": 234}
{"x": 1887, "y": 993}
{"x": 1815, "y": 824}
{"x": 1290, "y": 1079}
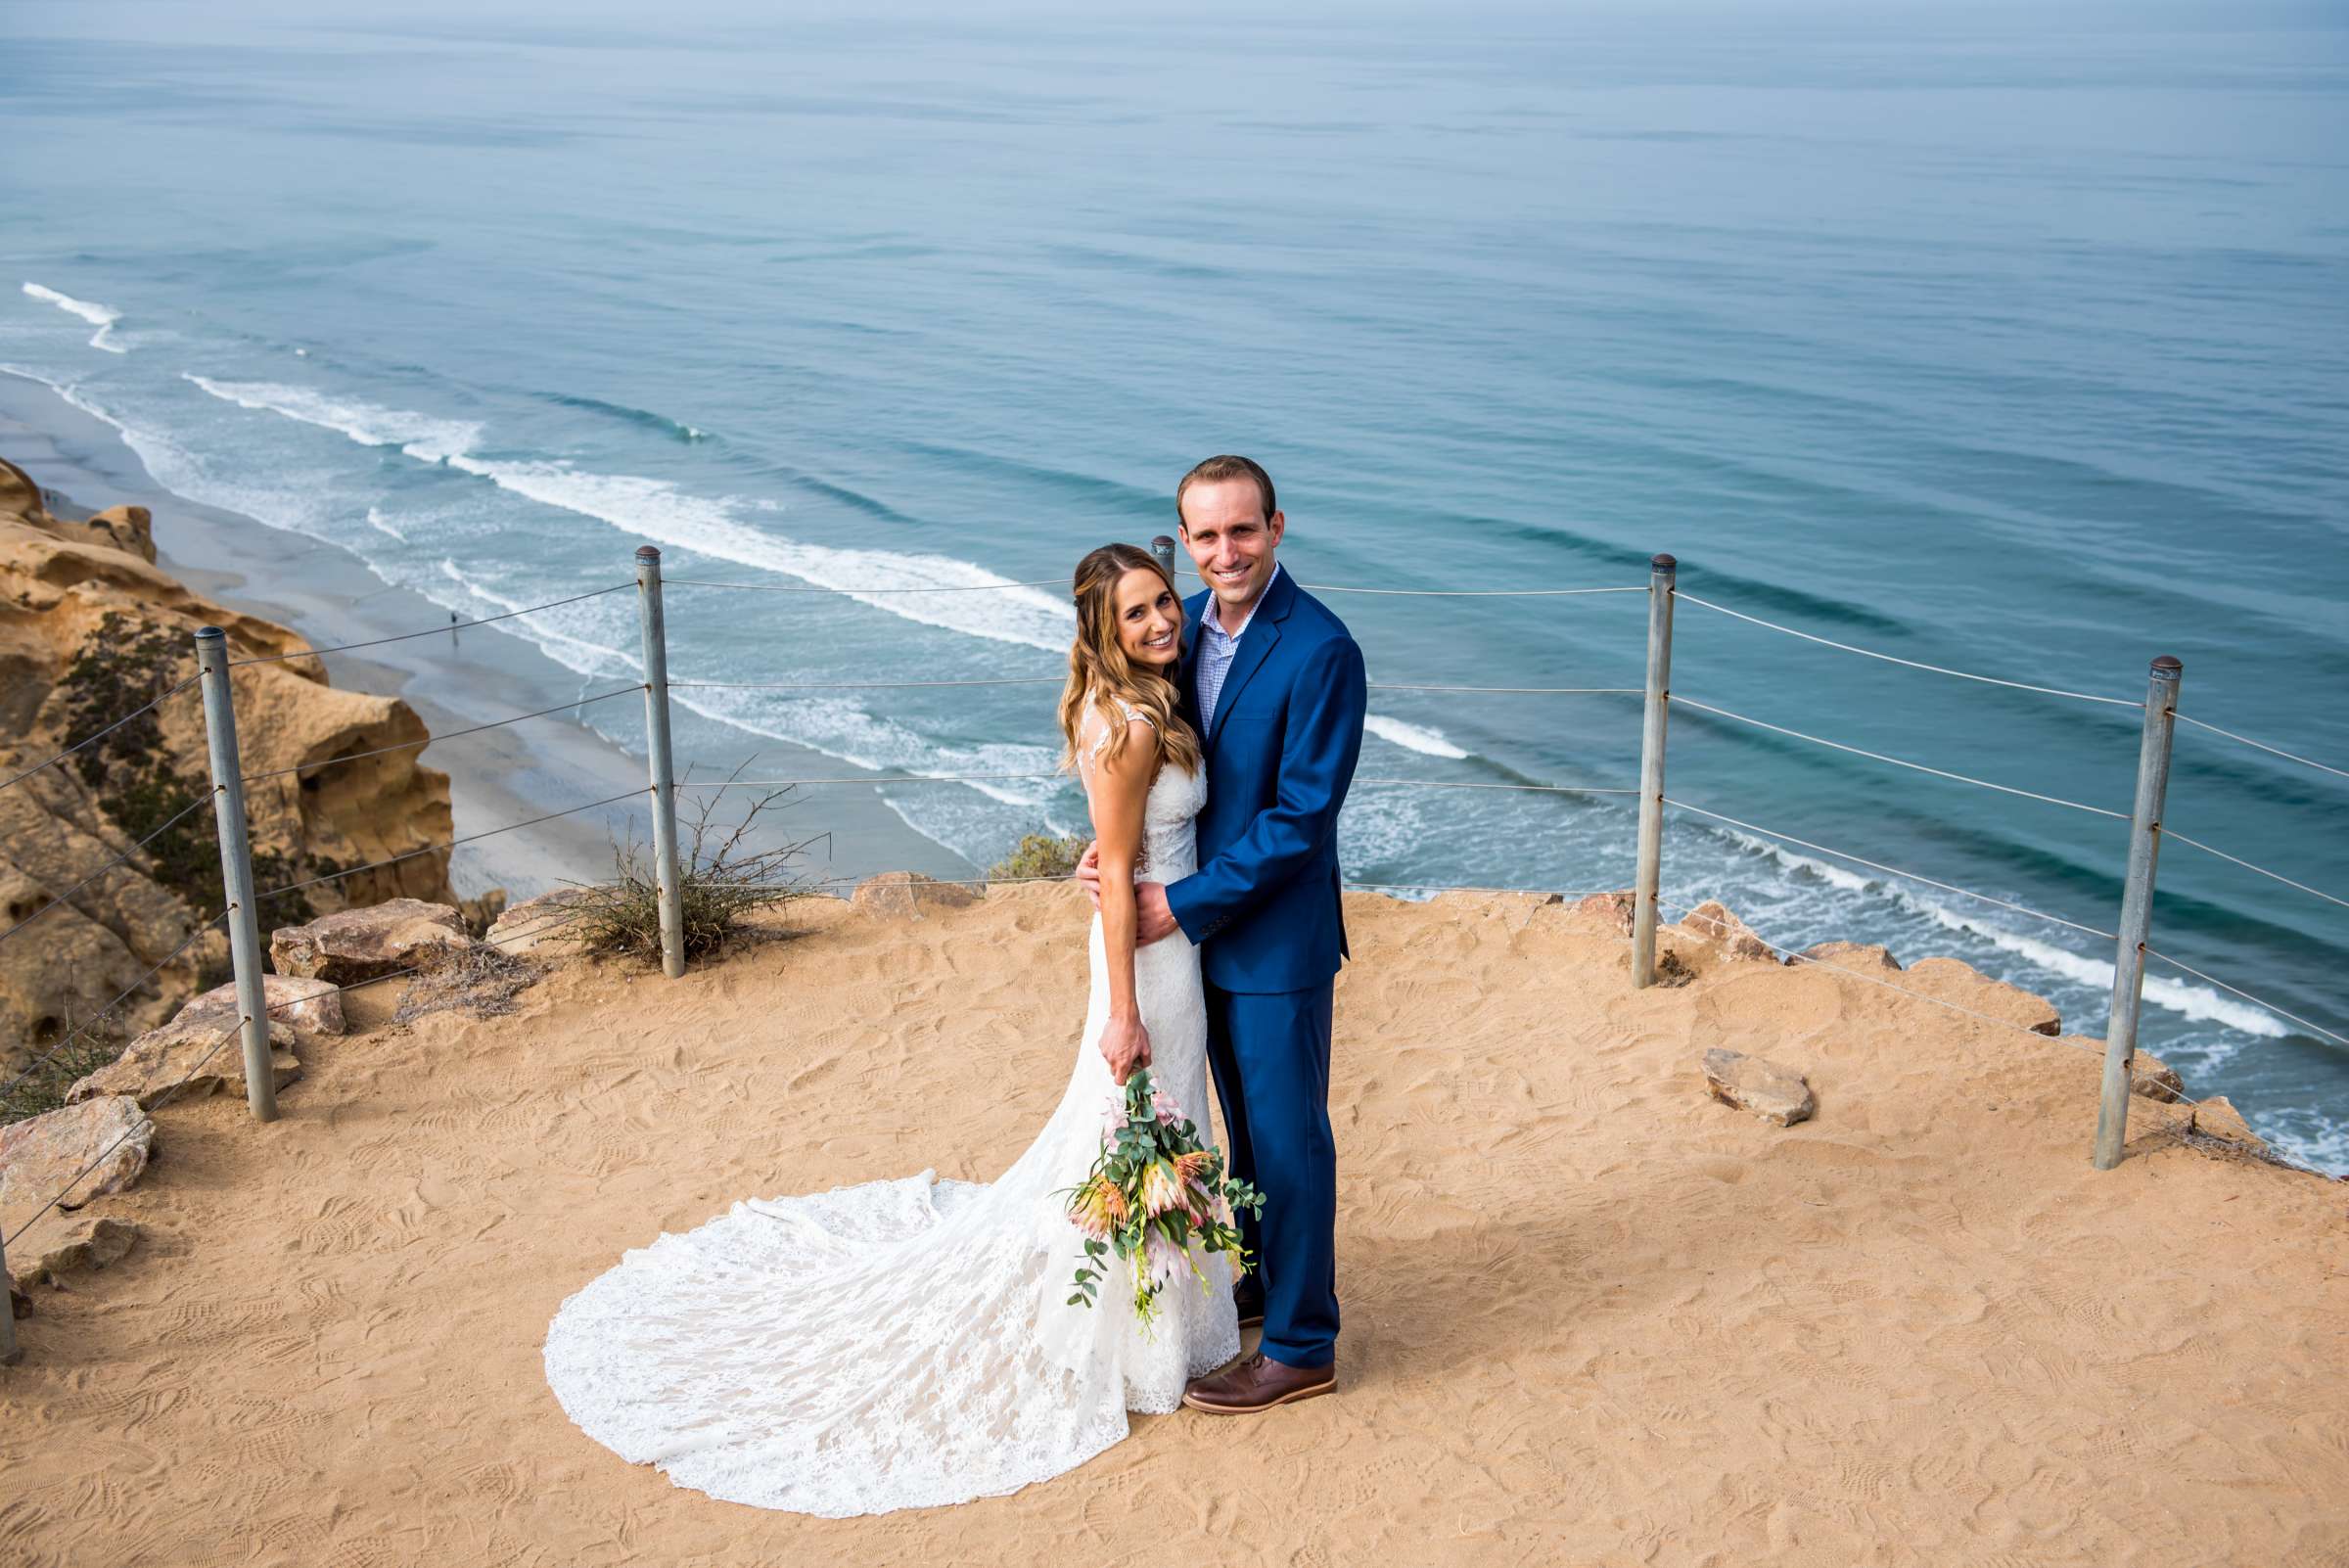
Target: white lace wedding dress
{"x": 908, "y": 1343}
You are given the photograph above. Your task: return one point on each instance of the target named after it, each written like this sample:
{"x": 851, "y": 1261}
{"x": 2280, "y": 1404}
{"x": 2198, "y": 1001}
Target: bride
{"x": 908, "y": 1343}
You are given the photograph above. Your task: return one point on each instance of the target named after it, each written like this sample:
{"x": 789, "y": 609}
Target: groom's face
{"x": 1231, "y": 540}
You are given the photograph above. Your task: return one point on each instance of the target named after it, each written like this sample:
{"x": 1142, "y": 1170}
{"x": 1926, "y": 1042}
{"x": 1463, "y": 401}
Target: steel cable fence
{"x": 1662, "y": 591}
{"x": 15, "y": 779}
{"x": 119, "y": 860}
{"x": 271, "y": 1011}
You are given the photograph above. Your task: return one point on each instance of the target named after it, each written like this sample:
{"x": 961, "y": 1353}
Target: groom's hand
{"x": 1089, "y": 871}
{"x": 1153, "y": 920}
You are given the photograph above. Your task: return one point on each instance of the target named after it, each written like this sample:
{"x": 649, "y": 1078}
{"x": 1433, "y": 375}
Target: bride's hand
{"x": 1089, "y": 871}
{"x": 1126, "y": 1046}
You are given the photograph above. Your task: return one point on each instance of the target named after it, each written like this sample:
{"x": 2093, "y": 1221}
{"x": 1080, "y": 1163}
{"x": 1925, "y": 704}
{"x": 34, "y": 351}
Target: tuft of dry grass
{"x": 481, "y": 979}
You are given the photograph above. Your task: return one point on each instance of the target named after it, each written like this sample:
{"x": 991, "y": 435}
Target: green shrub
{"x": 43, "y": 1088}
{"x": 1040, "y": 855}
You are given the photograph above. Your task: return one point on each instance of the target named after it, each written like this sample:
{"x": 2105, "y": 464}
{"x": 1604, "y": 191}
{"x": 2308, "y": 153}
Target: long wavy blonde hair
{"x": 1100, "y": 674}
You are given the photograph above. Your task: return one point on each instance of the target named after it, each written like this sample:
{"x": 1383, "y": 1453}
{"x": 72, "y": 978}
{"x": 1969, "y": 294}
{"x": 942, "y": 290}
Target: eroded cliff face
{"x": 90, "y": 630}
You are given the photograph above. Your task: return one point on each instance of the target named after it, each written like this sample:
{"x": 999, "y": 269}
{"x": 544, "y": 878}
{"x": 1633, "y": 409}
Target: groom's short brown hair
{"x": 1228, "y": 466}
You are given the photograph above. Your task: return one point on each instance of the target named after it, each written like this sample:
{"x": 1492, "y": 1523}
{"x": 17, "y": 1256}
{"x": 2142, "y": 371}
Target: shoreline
{"x": 329, "y": 595}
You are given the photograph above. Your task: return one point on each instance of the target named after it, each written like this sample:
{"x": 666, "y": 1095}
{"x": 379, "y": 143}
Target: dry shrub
{"x": 484, "y": 981}
{"x": 722, "y": 879}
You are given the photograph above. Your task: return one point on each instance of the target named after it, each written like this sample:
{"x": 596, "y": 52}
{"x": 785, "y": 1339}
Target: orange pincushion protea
{"x": 1098, "y": 1207}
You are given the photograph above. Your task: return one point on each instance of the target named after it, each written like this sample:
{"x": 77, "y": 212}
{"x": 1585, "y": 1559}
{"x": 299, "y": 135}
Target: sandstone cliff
{"x": 91, "y": 628}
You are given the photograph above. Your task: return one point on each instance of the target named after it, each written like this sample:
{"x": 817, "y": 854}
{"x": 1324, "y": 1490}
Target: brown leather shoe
{"x": 1256, "y": 1383}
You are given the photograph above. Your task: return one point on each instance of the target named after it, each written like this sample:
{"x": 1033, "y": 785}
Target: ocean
{"x": 2008, "y": 342}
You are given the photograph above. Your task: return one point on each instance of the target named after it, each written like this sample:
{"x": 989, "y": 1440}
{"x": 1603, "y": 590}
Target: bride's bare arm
{"x": 1114, "y": 789}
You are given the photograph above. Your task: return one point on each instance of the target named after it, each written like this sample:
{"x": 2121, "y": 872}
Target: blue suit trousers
{"x": 1270, "y": 1051}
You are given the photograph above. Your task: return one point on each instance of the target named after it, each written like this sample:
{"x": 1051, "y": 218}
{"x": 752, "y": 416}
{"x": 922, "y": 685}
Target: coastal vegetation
{"x": 110, "y": 839}
{"x": 1041, "y": 857}
{"x": 724, "y": 876}
{"x": 144, "y": 787}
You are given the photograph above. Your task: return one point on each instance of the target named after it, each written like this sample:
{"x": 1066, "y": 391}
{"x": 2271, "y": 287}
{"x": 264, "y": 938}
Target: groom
{"x": 1273, "y": 685}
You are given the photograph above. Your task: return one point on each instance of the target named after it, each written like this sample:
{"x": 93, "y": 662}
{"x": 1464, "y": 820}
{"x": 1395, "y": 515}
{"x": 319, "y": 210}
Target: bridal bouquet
{"x": 1154, "y": 1191}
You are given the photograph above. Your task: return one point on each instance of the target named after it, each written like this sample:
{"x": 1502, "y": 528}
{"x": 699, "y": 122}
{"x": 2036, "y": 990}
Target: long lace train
{"x": 907, "y": 1343}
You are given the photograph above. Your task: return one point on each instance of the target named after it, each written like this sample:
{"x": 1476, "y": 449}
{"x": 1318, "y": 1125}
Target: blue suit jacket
{"x": 1263, "y": 906}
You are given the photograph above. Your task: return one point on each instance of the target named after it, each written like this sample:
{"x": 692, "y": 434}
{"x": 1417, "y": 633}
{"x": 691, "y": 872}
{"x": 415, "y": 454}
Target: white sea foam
{"x": 660, "y": 511}
{"x": 1412, "y": 737}
{"x": 179, "y": 471}
{"x": 668, "y": 514}
{"x": 2198, "y": 1003}
{"x": 421, "y": 436}
{"x": 839, "y": 727}
{"x": 383, "y": 525}
{"x": 552, "y": 629}
{"x": 103, "y": 317}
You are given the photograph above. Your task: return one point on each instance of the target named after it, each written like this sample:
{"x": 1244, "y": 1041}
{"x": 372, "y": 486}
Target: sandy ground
{"x": 1591, "y": 1316}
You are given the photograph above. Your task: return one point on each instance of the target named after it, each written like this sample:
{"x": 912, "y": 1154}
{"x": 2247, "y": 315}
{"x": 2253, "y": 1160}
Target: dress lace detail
{"x": 904, "y": 1344}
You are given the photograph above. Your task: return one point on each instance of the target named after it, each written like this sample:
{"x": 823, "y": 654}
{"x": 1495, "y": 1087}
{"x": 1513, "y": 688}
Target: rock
{"x": 2156, "y": 1079}
{"x": 98, "y": 943}
{"x": 356, "y": 944}
{"x": 93, "y": 629}
{"x": 480, "y": 913}
{"x": 59, "y": 1245}
{"x": 152, "y": 1063}
{"x": 128, "y": 529}
{"x": 1860, "y": 955}
{"x": 19, "y": 1305}
{"x": 540, "y": 923}
{"x": 1762, "y": 1087}
{"x": 2218, "y": 1118}
{"x": 311, "y": 1005}
{"x": 906, "y": 895}
{"x": 1609, "y": 908}
{"x": 41, "y": 1154}
{"x": 1711, "y": 923}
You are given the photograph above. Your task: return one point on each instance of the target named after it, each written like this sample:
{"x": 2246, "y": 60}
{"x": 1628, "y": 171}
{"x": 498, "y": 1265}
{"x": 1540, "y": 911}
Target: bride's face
{"x": 1149, "y": 618}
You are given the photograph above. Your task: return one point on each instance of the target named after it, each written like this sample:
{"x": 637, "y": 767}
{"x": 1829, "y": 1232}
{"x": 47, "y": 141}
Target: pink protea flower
{"x": 1162, "y": 1261}
{"x": 1160, "y": 1189}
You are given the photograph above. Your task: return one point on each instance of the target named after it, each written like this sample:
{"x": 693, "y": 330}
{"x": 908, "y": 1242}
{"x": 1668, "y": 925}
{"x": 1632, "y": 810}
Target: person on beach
{"x": 1276, "y": 685}
{"x": 910, "y": 1343}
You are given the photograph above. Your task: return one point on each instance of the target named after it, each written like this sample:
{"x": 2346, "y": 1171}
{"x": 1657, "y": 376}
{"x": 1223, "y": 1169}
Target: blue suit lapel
{"x": 1256, "y": 646}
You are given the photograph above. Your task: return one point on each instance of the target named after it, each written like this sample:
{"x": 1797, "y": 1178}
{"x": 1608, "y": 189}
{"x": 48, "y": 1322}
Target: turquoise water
{"x": 2011, "y": 345}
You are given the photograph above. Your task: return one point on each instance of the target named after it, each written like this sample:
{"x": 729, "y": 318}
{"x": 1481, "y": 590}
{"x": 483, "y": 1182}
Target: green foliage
{"x": 44, "y": 1087}
{"x": 1040, "y": 855}
{"x": 126, "y": 663}
{"x": 1155, "y": 1176}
